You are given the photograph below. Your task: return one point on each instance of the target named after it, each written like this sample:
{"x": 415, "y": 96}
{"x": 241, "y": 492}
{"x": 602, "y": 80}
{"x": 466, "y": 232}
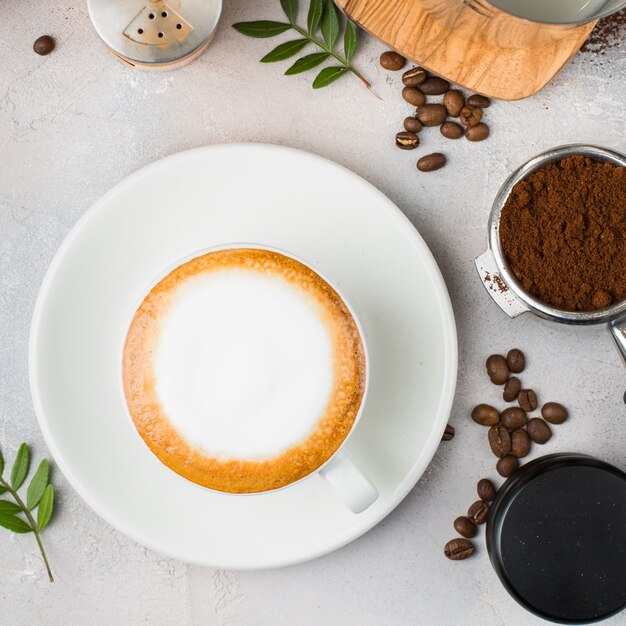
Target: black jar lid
{"x": 556, "y": 537}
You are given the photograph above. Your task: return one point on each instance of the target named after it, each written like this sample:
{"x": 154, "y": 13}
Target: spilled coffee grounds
{"x": 563, "y": 233}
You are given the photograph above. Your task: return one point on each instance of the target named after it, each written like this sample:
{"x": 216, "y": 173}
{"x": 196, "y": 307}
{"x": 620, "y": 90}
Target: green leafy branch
{"x": 322, "y": 16}
{"x": 39, "y": 495}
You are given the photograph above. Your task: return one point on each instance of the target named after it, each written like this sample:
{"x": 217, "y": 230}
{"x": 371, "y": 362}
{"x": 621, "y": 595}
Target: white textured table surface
{"x": 77, "y": 122}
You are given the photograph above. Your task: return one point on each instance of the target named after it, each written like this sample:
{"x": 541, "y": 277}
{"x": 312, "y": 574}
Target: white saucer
{"x": 261, "y": 194}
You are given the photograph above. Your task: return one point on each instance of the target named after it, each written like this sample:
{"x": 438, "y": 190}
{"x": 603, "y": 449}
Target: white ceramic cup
{"x": 345, "y": 479}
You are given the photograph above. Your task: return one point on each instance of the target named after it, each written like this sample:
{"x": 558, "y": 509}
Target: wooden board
{"x": 471, "y": 43}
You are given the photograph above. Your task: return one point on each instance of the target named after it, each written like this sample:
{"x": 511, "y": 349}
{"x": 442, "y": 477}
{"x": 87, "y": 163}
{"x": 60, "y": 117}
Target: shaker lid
{"x": 155, "y": 32}
{"x": 557, "y": 538}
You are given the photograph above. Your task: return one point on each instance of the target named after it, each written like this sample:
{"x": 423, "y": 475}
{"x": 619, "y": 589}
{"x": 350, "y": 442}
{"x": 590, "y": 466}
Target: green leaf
{"x": 261, "y": 29}
{"x": 330, "y": 24}
{"x": 328, "y": 75}
{"x": 20, "y": 466}
{"x": 2, "y": 490}
{"x": 8, "y": 508}
{"x": 37, "y": 485}
{"x": 16, "y": 524}
{"x": 44, "y": 512}
{"x": 285, "y": 50}
{"x": 307, "y": 63}
{"x": 290, "y": 7}
{"x": 316, "y": 8}
{"x": 349, "y": 41}
{"x": 1, "y": 464}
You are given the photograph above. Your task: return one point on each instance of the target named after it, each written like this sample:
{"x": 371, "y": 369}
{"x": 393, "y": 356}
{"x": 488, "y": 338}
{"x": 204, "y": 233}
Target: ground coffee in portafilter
{"x": 563, "y": 233}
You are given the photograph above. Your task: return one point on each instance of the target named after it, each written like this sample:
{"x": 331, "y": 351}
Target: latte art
{"x": 243, "y": 370}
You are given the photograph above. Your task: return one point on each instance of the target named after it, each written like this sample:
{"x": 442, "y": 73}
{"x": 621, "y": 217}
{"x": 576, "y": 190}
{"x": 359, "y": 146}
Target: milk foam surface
{"x": 244, "y": 364}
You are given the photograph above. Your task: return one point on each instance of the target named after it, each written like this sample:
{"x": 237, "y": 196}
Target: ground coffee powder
{"x": 563, "y": 233}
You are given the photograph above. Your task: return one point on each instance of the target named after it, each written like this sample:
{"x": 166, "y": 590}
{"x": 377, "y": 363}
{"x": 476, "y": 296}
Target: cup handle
{"x": 618, "y": 331}
{"x": 349, "y": 483}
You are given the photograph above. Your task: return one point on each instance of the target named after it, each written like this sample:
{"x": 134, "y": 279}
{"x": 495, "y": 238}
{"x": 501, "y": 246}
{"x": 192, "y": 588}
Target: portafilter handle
{"x": 618, "y": 332}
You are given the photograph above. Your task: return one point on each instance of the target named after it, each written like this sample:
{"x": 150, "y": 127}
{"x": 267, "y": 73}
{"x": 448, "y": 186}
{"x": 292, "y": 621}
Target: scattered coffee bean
{"x": 538, "y": 430}
{"x": 412, "y": 124}
{"x": 485, "y": 415}
{"x": 465, "y": 527}
{"x": 407, "y": 141}
{"x": 478, "y": 512}
{"x": 507, "y": 466}
{"x": 470, "y": 116}
{"x": 414, "y": 77}
{"x": 454, "y": 102}
{"x": 431, "y": 114}
{"x": 511, "y": 389}
{"x": 554, "y": 412}
{"x": 434, "y": 86}
{"x": 516, "y": 360}
{"x": 520, "y": 443}
{"x": 486, "y": 490}
{"x": 527, "y": 399}
{"x": 459, "y": 549}
{"x": 497, "y": 369}
{"x": 431, "y": 162}
{"x": 480, "y": 132}
{"x": 44, "y": 45}
{"x": 448, "y": 433}
{"x": 451, "y": 130}
{"x": 479, "y": 101}
{"x": 499, "y": 441}
{"x": 413, "y": 96}
{"x": 513, "y": 418}
{"x": 392, "y": 61}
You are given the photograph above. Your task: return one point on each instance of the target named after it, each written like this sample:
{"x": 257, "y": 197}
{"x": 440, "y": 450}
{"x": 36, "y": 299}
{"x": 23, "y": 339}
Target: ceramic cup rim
{"x": 253, "y": 246}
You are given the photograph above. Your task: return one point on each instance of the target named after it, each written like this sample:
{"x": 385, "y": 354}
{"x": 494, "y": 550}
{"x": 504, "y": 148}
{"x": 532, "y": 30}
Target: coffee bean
{"x": 511, "y": 389}
{"x": 431, "y": 162}
{"x": 554, "y": 412}
{"x": 414, "y": 77}
{"x": 478, "y": 512}
{"x": 470, "y": 116}
{"x": 479, "y": 101}
{"x": 486, "y": 490}
{"x": 520, "y": 443}
{"x": 465, "y": 527}
{"x": 516, "y": 360}
{"x": 451, "y": 130}
{"x": 527, "y": 400}
{"x": 485, "y": 415}
{"x": 513, "y": 418}
{"x": 413, "y": 96}
{"x": 497, "y": 369}
{"x": 431, "y": 114}
{"x": 448, "y": 433}
{"x": 499, "y": 441}
{"x": 434, "y": 86}
{"x": 459, "y": 549}
{"x": 44, "y": 45}
{"x": 392, "y": 61}
{"x": 454, "y": 102}
{"x": 538, "y": 430}
{"x": 507, "y": 465}
{"x": 412, "y": 124}
{"x": 407, "y": 141}
{"x": 479, "y": 132}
